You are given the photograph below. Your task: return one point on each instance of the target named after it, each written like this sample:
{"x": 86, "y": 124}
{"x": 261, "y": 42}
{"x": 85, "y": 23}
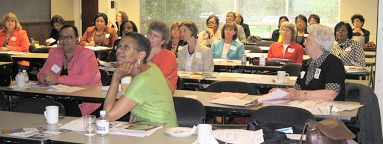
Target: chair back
{"x": 368, "y": 122}
{"x": 37, "y": 106}
{"x": 232, "y": 86}
{"x": 5, "y": 57}
{"x": 189, "y": 111}
{"x": 293, "y": 69}
{"x": 180, "y": 84}
{"x": 3, "y": 101}
{"x": 41, "y": 50}
{"x": 265, "y": 43}
{"x": 283, "y": 115}
{"x": 105, "y": 78}
{"x": 253, "y": 48}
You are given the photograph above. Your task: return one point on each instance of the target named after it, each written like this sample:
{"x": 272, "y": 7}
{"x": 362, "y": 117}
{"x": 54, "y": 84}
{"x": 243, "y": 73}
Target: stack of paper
{"x": 64, "y": 88}
{"x": 230, "y": 94}
{"x": 274, "y": 97}
{"x": 239, "y": 136}
{"x": 232, "y": 101}
{"x": 138, "y": 129}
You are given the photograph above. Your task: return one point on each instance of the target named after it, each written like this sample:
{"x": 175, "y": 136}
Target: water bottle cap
{"x": 24, "y": 70}
{"x": 102, "y": 113}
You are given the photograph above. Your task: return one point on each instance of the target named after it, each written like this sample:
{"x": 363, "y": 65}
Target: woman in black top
{"x": 175, "y": 41}
{"x": 57, "y": 22}
{"x": 275, "y": 35}
{"x": 126, "y": 27}
{"x": 301, "y": 23}
{"x": 322, "y": 76}
{"x": 358, "y": 22}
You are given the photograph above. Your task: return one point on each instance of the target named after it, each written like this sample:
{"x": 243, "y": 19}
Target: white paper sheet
{"x": 64, "y": 88}
{"x": 231, "y": 101}
{"x": 239, "y": 136}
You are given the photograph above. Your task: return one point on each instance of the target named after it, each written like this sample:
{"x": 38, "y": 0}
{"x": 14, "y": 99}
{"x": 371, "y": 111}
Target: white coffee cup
{"x": 51, "y": 113}
{"x": 205, "y": 133}
{"x": 282, "y": 76}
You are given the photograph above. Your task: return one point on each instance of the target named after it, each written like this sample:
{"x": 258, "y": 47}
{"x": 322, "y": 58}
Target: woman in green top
{"x": 148, "y": 97}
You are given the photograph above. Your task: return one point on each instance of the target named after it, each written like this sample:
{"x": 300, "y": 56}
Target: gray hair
{"x": 161, "y": 27}
{"x": 290, "y": 26}
{"x": 322, "y": 35}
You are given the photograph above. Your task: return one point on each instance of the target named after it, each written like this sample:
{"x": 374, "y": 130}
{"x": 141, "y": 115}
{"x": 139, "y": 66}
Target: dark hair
{"x": 232, "y": 13}
{"x": 214, "y": 17}
{"x": 160, "y": 27}
{"x": 348, "y": 26}
{"x": 122, "y": 27}
{"x": 301, "y": 17}
{"x": 191, "y": 26}
{"x": 142, "y": 43}
{"x": 124, "y": 16}
{"x": 57, "y": 19}
{"x": 315, "y": 17}
{"x": 280, "y": 18}
{"x": 357, "y": 16}
{"x": 70, "y": 26}
{"x": 229, "y": 24}
{"x": 103, "y": 15}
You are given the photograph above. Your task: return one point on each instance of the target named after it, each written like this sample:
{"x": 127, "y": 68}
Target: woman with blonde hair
{"x": 176, "y": 42}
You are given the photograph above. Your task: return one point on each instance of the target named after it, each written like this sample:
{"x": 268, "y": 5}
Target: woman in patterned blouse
{"x": 322, "y": 76}
{"x": 349, "y": 51}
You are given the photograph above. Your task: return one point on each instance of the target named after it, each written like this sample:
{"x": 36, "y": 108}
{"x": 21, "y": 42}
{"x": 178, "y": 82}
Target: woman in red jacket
{"x": 287, "y": 49}
{"x": 13, "y": 37}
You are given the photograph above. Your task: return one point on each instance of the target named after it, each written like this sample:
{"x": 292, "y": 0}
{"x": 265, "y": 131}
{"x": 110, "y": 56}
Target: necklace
{"x": 190, "y": 52}
{"x": 67, "y": 59}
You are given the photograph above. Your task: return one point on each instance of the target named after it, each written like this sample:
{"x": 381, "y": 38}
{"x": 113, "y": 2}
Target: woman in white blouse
{"x": 193, "y": 56}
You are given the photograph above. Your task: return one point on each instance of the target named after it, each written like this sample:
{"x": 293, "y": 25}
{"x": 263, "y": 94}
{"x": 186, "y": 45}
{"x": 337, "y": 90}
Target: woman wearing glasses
{"x": 158, "y": 35}
{"x": 212, "y": 33}
{"x": 147, "y": 97}
{"x": 100, "y": 34}
{"x": 73, "y": 65}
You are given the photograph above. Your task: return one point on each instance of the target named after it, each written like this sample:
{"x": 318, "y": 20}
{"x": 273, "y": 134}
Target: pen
{"x": 319, "y": 110}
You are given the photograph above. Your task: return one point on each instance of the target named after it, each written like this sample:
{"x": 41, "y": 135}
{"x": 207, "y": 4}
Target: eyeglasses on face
{"x": 125, "y": 47}
{"x": 66, "y": 37}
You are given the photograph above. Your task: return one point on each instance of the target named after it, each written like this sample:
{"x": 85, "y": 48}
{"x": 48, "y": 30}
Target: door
{"x": 89, "y": 9}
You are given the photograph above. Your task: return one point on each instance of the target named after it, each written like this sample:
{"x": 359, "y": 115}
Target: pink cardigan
{"x": 82, "y": 69}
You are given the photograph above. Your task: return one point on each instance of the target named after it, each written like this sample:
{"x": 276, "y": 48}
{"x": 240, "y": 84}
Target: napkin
{"x": 50, "y": 40}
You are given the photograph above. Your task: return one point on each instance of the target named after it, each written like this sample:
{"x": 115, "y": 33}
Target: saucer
{"x": 14, "y": 87}
{"x": 179, "y": 131}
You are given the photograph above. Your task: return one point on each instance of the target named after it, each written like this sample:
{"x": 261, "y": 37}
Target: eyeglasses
{"x": 66, "y": 37}
{"x": 150, "y": 33}
{"x": 125, "y": 47}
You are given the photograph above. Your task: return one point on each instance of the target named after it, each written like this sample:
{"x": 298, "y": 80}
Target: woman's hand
{"x": 114, "y": 64}
{"x": 131, "y": 118}
{"x": 293, "y": 94}
{"x": 358, "y": 30}
{"x": 91, "y": 43}
{"x": 50, "y": 79}
{"x": 153, "y": 52}
{"x": 124, "y": 69}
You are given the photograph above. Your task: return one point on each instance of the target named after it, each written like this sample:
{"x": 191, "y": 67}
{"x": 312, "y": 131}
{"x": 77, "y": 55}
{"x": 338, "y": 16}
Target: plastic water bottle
{"x": 102, "y": 124}
{"x": 26, "y": 77}
{"x": 20, "y": 80}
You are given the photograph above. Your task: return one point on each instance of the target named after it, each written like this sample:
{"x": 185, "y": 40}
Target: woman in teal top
{"x": 227, "y": 47}
{"x": 148, "y": 96}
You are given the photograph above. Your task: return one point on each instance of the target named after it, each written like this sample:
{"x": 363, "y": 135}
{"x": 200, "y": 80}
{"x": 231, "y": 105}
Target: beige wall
{"x": 131, "y": 7}
{"x": 63, "y": 8}
{"x": 367, "y": 8}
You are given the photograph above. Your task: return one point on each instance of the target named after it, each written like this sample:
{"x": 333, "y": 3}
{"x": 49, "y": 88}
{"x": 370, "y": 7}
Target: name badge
{"x": 290, "y": 50}
{"x": 13, "y": 38}
{"x": 233, "y": 48}
{"x": 198, "y": 55}
{"x": 303, "y": 74}
{"x": 348, "y": 49}
{"x": 107, "y": 35}
{"x": 317, "y": 73}
{"x": 55, "y": 68}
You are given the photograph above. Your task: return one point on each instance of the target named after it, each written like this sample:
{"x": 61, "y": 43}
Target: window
{"x": 261, "y": 15}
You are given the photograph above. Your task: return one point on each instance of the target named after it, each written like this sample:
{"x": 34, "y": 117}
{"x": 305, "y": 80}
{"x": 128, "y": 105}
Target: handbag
{"x": 327, "y": 131}
{"x": 5, "y": 76}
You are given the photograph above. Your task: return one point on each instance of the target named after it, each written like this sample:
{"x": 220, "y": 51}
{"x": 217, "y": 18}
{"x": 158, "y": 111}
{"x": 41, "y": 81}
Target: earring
{"x": 139, "y": 61}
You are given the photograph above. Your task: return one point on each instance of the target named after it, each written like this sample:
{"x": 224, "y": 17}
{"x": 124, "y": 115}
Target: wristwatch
{"x": 305, "y": 95}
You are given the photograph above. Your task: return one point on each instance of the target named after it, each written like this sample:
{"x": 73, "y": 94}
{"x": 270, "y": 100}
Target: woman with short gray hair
{"x": 322, "y": 76}
{"x": 287, "y": 49}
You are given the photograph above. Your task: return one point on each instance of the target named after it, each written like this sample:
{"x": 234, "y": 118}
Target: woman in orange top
{"x": 13, "y": 37}
{"x": 100, "y": 34}
{"x": 287, "y": 49}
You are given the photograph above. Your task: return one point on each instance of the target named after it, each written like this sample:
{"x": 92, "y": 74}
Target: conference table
{"x": 14, "y": 120}
{"x": 5, "y": 63}
{"x": 94, "y": 94}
